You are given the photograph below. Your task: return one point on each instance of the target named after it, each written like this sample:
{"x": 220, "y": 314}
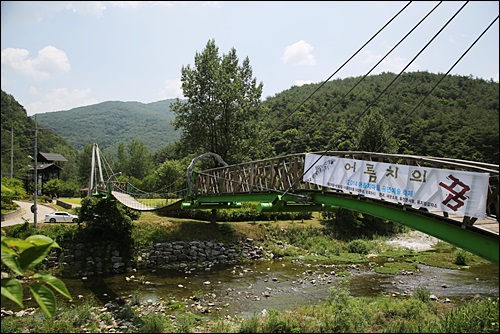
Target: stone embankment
{"x": 97, "y": 259}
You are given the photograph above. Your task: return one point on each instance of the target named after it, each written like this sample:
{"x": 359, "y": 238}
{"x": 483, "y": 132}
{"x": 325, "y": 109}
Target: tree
{"x": 85, "y": 164}
{"x": 139, "y": 161}
{"x": 374, "y": 134}
{"x": 222, "y": 111}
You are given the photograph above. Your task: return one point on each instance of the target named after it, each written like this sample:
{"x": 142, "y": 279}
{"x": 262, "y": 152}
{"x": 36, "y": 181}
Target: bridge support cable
{"x": 434, "y": 87}
{"x": 96, "y": 185}
{"x": 128, "y": 195}
{"x": 342, "y": 66}
{"x": 136, "y": 199}
{"x": 356, "y": 120}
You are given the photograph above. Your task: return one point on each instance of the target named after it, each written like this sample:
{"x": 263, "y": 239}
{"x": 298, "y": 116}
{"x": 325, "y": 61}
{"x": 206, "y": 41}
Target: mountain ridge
{"x": 111, "y": 122}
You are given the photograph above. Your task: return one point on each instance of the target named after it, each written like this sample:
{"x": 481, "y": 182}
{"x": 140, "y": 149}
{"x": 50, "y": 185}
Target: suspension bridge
{"x": 456, "y": 201}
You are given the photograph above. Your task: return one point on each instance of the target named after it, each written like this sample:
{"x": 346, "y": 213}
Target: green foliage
{"x": 106, "y": 220}
{"x": 12, "y": 189}
{"x": 476, "y": 317}
{"x": 170, "y": 175}
{"x": 18, "y": 139}
{"x": 422, "y": 293}
{"x": 277, "y": 322}
{"x": 61, "y": 188}
{"x": 374, "y": 134}
{"x": 137, "y": 161}
{"x": 348, "y": 224}
{"x": 357, "y": 246}
{"x": 222, "y": 111}
{"x": 247, "y": 212}
{"x": 22, "y": 255}
{"x": 186, "y": 322}
{"x": 461, "y": 257}
{"x": 69, "y": 319}
{"x": 448, "y": 124}
{"x": 154, "y": 324}
{"x": 21, "y": 231}
{"x": 397, "y": 267}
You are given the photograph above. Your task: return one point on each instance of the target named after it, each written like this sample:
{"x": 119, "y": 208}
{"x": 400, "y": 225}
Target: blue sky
{"x": 62, "y": 55}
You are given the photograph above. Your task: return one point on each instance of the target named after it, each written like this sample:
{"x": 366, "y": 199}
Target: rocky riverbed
{"x": 414, "y": 240}
{"x": 233, "y": 291}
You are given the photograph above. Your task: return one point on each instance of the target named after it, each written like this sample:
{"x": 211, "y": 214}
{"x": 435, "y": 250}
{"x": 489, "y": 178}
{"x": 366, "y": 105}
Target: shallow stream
{"x": 249, "y": 289}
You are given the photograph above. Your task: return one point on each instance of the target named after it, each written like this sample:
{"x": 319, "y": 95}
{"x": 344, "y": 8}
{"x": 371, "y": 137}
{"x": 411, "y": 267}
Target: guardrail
{"x": 285, "y": 173}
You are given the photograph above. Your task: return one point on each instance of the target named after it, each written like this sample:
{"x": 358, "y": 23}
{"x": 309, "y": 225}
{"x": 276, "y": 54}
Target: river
{"x": 244, "y": 290}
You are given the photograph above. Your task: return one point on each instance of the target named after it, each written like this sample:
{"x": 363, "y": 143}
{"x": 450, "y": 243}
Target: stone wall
{"x": 97, "y": 259}
{"x": 11, "y": 215}
{"x": 64, "y": 204}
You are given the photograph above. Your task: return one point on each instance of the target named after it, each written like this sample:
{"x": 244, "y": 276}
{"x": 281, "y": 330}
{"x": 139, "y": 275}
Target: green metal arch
{"x": 483, "y": 245}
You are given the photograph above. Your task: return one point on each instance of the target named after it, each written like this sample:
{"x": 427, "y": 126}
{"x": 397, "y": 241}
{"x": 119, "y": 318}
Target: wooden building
{"x": 48, "y": 168}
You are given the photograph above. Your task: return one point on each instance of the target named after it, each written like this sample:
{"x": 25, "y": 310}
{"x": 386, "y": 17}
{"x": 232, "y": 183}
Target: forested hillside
{"x": 113, "y": 122}
{"x": 18, "y": 140}
{"x": 457, "y": 119}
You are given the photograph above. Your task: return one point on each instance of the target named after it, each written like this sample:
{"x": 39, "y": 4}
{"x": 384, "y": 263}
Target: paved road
{"x": 42, "y": 210}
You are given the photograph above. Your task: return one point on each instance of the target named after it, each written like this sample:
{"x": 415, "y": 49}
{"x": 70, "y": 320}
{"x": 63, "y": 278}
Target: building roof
{"x": 45, "y": 167}
{"x": 49, "y": 157}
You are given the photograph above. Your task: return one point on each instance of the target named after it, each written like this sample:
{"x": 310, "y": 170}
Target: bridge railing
{"x": 284, "y": 174}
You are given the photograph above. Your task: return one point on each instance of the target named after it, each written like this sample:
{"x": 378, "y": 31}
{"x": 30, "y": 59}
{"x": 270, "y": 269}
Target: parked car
{"x": 61, "y": 217}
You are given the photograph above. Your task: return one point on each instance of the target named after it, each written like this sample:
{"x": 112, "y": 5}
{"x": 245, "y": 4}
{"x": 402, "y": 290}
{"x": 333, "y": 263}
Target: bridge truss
{"x": 277, "y": 185}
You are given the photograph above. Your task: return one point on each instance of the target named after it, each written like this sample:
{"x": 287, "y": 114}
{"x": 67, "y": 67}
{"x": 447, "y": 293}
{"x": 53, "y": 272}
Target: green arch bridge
{"x": 278, "y": 185}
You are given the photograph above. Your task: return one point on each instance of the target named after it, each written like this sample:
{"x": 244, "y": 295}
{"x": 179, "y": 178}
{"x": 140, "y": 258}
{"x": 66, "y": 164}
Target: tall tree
{"x": 223, "y": 108}
{"x": 374, "y": 134}
{"x": 139, "y": 161}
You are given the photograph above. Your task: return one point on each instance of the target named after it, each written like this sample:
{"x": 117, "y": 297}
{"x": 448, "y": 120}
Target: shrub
{"x": 357, "y": 246}
{"x": 461, "y": 257}
{"x": 154, "y": 324}
{"x": 422, "y": 294}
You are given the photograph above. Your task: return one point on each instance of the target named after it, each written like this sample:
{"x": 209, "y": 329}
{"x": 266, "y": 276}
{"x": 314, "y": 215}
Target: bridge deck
{"x": 131, "y": 202}
{"x": 488, "y": 224}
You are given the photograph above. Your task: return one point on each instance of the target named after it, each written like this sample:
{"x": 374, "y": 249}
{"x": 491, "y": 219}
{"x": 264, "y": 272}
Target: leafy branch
{"x": 19, "y": 256}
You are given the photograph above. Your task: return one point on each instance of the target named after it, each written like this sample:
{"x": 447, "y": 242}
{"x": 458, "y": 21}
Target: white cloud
{"x": 171, "y": 90}
{"x": 49, "y": 62}
{"x": 302, "y": 82}
{"x": 126, "y": 4}
{"x": 58, "y": 99}
{"x": 135, "y": 4}
{"x": 299, "y": 53}
{"x": 389, "y": 64}
{"x": 94, "y": 8}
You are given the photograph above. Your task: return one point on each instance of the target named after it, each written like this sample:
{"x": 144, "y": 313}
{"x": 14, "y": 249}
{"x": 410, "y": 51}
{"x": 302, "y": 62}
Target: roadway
{"x": 26, "y": 214}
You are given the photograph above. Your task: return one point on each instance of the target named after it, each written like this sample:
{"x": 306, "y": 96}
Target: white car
{"x": 61, "y": 217}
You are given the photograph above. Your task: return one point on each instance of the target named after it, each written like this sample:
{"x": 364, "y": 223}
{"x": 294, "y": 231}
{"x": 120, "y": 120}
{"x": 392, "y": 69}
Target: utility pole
{"x": 36, "y": 176}
{"x": 11, "y": 152}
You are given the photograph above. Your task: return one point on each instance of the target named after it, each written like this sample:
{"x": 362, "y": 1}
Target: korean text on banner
{"x": 436, "y": 189}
